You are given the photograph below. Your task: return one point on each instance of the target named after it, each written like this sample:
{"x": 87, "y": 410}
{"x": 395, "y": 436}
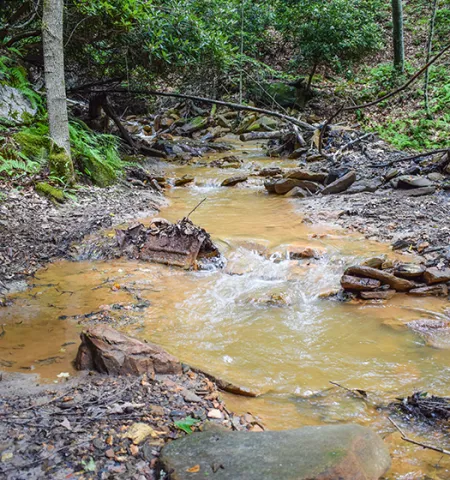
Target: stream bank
{"x": 260, "y": 322}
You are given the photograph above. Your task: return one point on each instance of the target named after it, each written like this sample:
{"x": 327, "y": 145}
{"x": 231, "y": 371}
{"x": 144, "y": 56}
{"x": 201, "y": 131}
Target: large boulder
{"x": 346, "y": 452}
{"x": 108, "y": 351}
{"x": 14, "y": 105}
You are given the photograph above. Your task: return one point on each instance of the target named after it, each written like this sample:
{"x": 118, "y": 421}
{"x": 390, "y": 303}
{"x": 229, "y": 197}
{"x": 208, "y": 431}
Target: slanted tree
{"x": 61, "y": 165}
{"x": 397, "y": 24}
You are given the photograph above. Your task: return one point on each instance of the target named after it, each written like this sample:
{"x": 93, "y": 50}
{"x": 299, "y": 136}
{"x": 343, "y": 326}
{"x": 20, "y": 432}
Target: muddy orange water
{"x": 223, "y": 320}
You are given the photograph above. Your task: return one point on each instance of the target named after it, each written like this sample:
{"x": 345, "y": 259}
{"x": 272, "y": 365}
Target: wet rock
{"x": 285, "y": 185}
{"x": 232, "y": 181}
{"x": 107, "y": 351}
{"x": 399, "y": 284}
{"x": 270, "y": 172}
{"x": 435, "y": 332}
{"x": 269, "y": 184}
{"x": 231, "y": 161}
{"x": 341, "y": 184}
{"x": 392, "y": 173}
{"x": 302, "y": 174}
{"x": 325, "y": 453}
{"x": 378, "y": 295}
{"x": 298, "y": 193}
{"x": 349, "y": 282}
{"x": 312, "y": 187}
{"x": 298, "y": 253}
{"x": 409, "y": 270}
{"x": 437, "y": 290}
{"x": 413, "y": 181}
{"x": 336, "y": 173}
{"x": 375, "y": 262}
{"x": 180, "y": 182}
{"x": 435, "y": 275}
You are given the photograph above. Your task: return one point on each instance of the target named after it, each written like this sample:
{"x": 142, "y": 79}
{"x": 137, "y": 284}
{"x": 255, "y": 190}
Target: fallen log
{"x": 246, "y": 137}
{"x": 235, "y": 106}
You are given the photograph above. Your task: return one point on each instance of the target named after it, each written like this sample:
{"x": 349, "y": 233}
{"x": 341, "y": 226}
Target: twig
{"x": 420, "y": 444}
{"x": 411, "y": 157}
{"x": 195, "y": 208}
{"x": 358, "y": 392}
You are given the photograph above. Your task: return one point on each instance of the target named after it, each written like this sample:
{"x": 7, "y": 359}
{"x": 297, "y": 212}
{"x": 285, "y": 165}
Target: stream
{"x": 264, "y": 321}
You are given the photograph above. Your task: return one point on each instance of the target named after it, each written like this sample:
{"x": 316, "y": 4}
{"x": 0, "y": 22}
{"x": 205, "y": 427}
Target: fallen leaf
{"x": 138, "y": 432}
{"x": 194, "y": 469}
{"x": 65, "y": 423}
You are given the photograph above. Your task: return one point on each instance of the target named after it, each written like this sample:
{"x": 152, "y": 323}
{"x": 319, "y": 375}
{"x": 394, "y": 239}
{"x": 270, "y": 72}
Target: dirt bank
{"x": 34, "y": 231}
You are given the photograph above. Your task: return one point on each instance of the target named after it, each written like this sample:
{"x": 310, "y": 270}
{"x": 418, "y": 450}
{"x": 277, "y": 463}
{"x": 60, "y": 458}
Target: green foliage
{"x": 95, "y": 155}
{"x": 15, "y": 75}
{"x": 186, "y": 423}
{"x": 333, "y": 33}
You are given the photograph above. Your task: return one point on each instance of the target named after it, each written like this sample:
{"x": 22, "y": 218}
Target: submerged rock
{"x": 108, "y": 351}
{"x": 378, "y": 295}
{"x": 320, "y": 453}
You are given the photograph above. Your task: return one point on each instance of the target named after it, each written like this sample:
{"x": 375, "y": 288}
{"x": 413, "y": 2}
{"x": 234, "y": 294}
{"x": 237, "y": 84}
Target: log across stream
{"x": 263, "y": 321}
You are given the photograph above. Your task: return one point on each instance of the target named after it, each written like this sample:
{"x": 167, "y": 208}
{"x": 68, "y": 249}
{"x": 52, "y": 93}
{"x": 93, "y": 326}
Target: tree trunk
{"x": 399, "y": 49}
{"x": 429, "y": 50}
{"x": 61, "y": 164}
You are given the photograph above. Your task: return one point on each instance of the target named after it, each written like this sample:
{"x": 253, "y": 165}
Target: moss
{"x": 100, "y": 173}
{"x": 61, "y": 166}
{"x": 54, "y": 194}
{"x": 32, "y": 143}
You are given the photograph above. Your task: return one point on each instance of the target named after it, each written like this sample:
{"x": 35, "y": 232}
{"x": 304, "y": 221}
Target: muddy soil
{"x": 89, "y": 427}
{"x": 34, "y": 231}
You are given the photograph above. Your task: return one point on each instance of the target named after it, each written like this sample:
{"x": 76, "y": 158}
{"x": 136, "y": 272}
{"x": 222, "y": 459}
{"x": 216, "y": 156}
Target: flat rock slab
{"x": 435, "y": 275}
{"x": 399, "y": 284}
{"x": 347, "y": 452}
{"x": 341, "y": 184}
{"x": 349, "y": 282}
{"x": 232, "y": 181}
{"x": 302, "y": 174}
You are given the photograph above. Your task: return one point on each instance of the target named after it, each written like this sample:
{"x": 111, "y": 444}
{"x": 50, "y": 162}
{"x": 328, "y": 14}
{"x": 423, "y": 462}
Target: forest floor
{"x": 95, "y": 426}
{"x": 34, "y": 231}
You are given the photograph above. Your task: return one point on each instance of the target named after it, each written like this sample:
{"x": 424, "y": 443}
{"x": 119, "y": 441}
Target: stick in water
{"x": 195, "y": 208}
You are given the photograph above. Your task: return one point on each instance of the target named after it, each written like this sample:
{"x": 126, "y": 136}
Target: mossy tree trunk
{"x": 61, "y": 164}
{"x": 399, "y": 48}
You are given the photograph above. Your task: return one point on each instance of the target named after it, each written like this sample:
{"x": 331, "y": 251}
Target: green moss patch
{"x": 56, "y": 195}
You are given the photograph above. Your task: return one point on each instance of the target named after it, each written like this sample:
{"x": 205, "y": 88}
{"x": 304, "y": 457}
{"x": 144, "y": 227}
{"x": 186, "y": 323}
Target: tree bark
{"x": 399, "y": 49}
{"x": 429, "y": 50}
{"x": 52, "y": 40}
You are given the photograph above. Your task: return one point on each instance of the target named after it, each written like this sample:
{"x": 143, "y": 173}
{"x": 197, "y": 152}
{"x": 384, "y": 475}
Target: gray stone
{"x": 298, "y": 192}
{"x": 341, "y": 184}
{"x": 364, "y": 186}
{"x": 413, "y": 181}
{"x": 347, "y": 452}
{"x": 269, "y": 184}
{"x": 14, "y": 104}
{"x": 419, "y": 192}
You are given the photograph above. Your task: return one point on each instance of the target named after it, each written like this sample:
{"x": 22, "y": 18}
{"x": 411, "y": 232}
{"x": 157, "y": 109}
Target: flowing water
{"x": 263, "y": 321}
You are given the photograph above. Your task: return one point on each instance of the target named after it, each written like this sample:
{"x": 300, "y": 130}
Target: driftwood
{"x": 245, "y": 137}
{"x": 234, "y": 106}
